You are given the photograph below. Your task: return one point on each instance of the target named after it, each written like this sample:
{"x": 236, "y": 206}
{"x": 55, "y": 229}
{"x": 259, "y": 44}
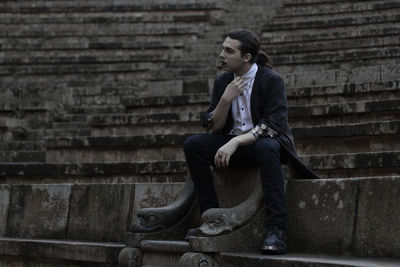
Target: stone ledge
{"x": 103, "y": 6}
{"x": 385, "y": 159}
{"x": 177, "y": 139}
{"x": 124, "y": 142}
{"x": 61, "y": 249}
{"x": 330, "y": 8}
{"x": 356, "y": 216}
{"x": 276, "y": 38}
{"x": 301, "y": 260}
{"x": 165, "y": 246}
{"x": 356, "y": 129}
{"x": 131, "y": 102}
{"x": 306, "y": 23}
{"x": 96, "y": 169}
{"x": 22, "y": 156}
{"x": 379, "y": 42}
{"x": 350, "y": 55}
{"x": 133, "y": 119}
{"x": 344, "y": 108}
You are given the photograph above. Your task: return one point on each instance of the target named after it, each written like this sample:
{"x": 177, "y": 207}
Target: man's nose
{"x": 222, "y": 54}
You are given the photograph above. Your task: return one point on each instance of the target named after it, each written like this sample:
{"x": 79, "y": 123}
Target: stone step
{"x": 256, "y": 259}
{"x": 362, "y": 164}
{"x": 102, "y": 6}
{"x": 163, "y": 253}
{"x": 22, "y": 145}
{"x": 352, "y": 55}
{"x": 105, "y": 17}
{"x": 347, "y": 20}
{"x": 6, "y": 123}
{"x": 312, "y": 140}
{"x": 333, "y": 8}
{"x": 31, "y": 105}
{"x": 92, "y": 169}
{"x": 337, "y": 33}
{"x": 310, "y": 114}
{"x": 351, "y": 138}
{"x": 22, "y": 156}
{"x": 93, "y": 29}
{"x": 80, "y": 251}
{"x": 326, "y": 165}
{"x": 379, "y": 42}
{"x": 81, "y": 57}
{"x": 348, "y": 92}
{"x": 140, "y": 69}
{"x": 92, "y": 42}
{"x": 298, "y": 76}
{"x": 344, "y": 216}
{"x": 341, "y": 113}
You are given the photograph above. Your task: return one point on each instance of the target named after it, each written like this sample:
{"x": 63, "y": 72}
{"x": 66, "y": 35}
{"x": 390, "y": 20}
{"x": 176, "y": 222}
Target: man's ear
{"x": 247, "y": 57}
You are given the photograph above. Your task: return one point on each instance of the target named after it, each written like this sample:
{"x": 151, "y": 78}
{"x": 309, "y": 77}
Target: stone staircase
{"x": 103, "y": 124}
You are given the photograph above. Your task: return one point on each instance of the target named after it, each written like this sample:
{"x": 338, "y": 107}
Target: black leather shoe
{"x": 275, "y": 243}
{"x": 192, "y": 232}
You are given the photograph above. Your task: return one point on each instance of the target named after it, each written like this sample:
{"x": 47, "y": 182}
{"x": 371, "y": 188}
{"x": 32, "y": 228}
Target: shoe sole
{"x": 272, "y": 250}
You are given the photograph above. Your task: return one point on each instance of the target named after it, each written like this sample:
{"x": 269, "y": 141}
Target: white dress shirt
{"x": 241, "y": 104}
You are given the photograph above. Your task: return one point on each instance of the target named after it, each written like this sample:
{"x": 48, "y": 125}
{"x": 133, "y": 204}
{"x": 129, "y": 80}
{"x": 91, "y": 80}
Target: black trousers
{"x": 200, "y": 150}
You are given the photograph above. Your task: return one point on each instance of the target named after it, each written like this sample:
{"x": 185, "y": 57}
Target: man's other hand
{"x": 224, "y": 153}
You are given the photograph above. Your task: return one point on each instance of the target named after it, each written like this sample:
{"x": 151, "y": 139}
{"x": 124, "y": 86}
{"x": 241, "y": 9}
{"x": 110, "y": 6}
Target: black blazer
{"x": 268, "y": 106}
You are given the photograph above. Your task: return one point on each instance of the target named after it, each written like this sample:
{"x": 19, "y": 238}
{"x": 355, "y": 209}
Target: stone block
{"x": 99, "y": 212}
{"x": 38, "y": 211}
{"x": 321, "y": 215}
{"x": 4, "y": 205}
{"x": 378, "y": 218}
{"x": 154, "y": 195}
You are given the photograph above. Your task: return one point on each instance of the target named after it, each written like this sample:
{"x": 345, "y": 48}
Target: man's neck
{"x": 243, "y": 70}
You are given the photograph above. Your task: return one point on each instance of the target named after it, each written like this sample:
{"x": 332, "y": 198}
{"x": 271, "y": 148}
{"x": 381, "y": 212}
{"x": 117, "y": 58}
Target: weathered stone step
{"x": 380, "y": 42}
{"x": 134, "y": 119}
{"x": 163, "y": 252}
{"x": 344, "y": 216}
{"x": 349, "y": 20}
{"x": 97, "y": 252}
{"x": 347, "y": 92}
{"x": 81, "y": 57}
{"x": 26, "y": 105}
{"x": 6, "y": 123}
{"x": 139, "y": 68}
{"x": 114, "y": 29}
{"x": 105, "y": 17}
{"x": 352, "y": 138}
{"x": 338, "y": 33}
{"x": 310, "y": 76}
{"x": 101, "y": 6}
{"x": 91, "y": 42}
{"x": 326, "y": 165}
{"x": 329, "y": 109}
{"x": 343, "y": 55}
{"x": 166, "y": 145}
{"x": 332, "y": 8}
{"x": 362, "y": 164}
{"x": 22, "y": 145}
{"x": 255, "y": 259}
{"x": 22, "y": 156}
{"x": 92, "y": 169}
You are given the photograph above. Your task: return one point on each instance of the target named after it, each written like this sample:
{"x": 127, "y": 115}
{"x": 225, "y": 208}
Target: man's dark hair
{"x": 250, "y": 43}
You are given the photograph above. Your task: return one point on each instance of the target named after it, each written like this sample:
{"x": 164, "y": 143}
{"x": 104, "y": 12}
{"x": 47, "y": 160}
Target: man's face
{"x": 231, "y": 58}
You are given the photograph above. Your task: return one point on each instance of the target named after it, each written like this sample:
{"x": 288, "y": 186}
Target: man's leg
{"x": 268, "y": 158}
{"x": 199, "y": 151}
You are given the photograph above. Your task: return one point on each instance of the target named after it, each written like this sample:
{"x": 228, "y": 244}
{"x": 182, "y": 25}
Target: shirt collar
{"x": 251, "y": 74}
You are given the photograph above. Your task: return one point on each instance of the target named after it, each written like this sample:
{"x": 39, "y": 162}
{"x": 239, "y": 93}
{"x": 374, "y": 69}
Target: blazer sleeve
{"x": 273, "y": 117}
{"x": 206, "y": 117}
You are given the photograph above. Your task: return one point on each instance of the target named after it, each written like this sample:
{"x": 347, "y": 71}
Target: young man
{"x": 247, "y": 123}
